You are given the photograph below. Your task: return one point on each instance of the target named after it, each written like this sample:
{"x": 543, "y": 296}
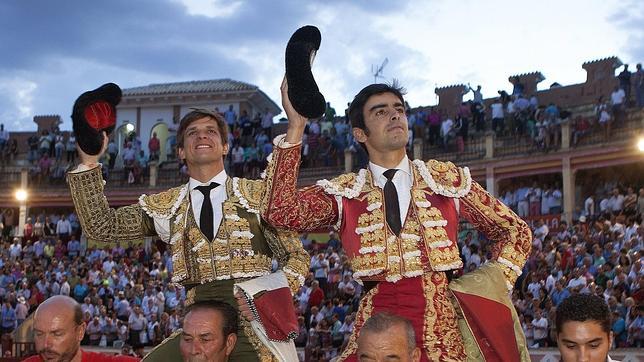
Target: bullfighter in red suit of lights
{"x": 407, "y": 264}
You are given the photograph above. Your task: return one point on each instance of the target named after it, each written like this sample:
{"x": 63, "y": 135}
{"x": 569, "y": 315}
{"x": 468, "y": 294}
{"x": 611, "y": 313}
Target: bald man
{"x": 58, "y": 330}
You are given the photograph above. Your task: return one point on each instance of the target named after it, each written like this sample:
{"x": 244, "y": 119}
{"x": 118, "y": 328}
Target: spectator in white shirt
{"x": 138, "y": 325}
{"x": 108, "y": 264}
{"x": 63, "y": 228}
{"x": 542, "y": 230}
{"x": 616, "y": 201}
{"x": 15, "y": 249}
{"x": 497, "y": 117}
{"x": 617, "y": 96}
{"x": 540, "y": 325}
{"x": 320, "y": 267}
{"x": 589, "y": 207}
{"x": 65, "y": 288}
{"x": 446, "y": 127}
{"x": 238, "y": 160}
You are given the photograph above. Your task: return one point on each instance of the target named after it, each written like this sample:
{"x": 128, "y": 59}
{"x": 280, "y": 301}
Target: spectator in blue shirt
{"x": 8, "y": 317}
{"x": 81, "y": 290}
{"x": 619, "y": 329}
{"x": 552, "y": 111}
{"x": 559, "y": 294}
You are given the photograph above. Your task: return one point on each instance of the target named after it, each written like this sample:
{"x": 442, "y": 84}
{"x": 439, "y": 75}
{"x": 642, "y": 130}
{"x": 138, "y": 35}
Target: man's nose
{"x": 196, "y": 348}
{"x": 584, "y": 355}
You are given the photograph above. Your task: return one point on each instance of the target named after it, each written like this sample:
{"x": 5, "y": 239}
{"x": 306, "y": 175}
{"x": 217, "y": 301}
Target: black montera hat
{"x": 94, "y": 112}
{"x": 303, "y": 92}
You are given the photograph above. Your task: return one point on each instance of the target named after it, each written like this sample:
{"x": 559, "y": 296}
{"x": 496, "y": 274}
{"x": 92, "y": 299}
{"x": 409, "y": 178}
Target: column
{"x": 418, "y": 149}
{"x": 490, "y": 183}
{"x": 153, "y": 173}
{"x": 489, "y": 145}
{"x": 22, "y": 215}
{"x": 348, "y": 160}
{"x": 565, "y": 134}
{"x": 568, "y": 178}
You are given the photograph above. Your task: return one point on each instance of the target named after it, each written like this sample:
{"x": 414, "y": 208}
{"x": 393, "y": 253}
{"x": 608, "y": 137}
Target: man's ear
{"x": 359, "y": 134}
{"x": 181, "y": 154}
{"x": 225, "y": 149}
{"x": 81, "y": 331}
{"x": 415, "y": 355}
{"x": 231, "y": 340}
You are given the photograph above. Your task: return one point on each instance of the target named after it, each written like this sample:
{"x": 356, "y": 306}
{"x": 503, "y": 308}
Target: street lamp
{"x": 640, "y": 144}
{"x": 21, "y": 196}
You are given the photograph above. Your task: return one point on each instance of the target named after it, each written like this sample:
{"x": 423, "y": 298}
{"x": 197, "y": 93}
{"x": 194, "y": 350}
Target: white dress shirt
{"x": 402, "y": 180}
{"x": 217, "y": 197}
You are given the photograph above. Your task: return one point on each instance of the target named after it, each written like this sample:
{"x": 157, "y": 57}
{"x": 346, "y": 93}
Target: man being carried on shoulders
{"x": 398, "y": 222}
{"x": 211, "y": 224}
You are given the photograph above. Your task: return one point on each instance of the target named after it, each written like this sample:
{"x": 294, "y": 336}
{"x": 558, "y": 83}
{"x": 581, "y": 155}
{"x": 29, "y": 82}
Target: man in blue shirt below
{"x": 8, "y": 317}
{"x": 559, "y": 294}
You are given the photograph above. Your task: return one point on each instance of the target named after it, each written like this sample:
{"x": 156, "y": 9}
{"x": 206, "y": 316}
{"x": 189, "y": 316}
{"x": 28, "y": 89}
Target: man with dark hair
{"x": 209, "y": 332}
{"x": 386, "y": 337}
{"x": 398, "y": 222}
{"x": 58, "y": 329}
{"x": 583, "y": 329}
{"x": 211, "y": 224}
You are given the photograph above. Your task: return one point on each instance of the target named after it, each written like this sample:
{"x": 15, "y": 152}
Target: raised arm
{"x": 284, "y": 206}
{"x": 98, "y": 220}
{"x": 511, "y": 235}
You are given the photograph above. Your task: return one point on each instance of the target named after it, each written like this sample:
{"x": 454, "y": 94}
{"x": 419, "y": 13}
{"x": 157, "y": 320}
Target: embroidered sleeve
{"x": 291, "y": 256}
{"x": 511, "y": 235}
{"x": 284, "y": 206}
{"x": 98, "y": 220}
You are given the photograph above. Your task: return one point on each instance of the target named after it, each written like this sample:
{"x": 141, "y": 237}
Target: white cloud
{"x": 211, "y": 8}
{"x": 19, "y": 93}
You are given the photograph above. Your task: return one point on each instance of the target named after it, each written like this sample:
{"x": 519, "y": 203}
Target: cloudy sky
{"x": 51, "y": 51}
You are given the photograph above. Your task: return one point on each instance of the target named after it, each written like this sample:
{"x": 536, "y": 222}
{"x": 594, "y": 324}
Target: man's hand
{"x": 92, "y": 160}
{"x": 296, "y": 122}
{"x": 244, "y": 309}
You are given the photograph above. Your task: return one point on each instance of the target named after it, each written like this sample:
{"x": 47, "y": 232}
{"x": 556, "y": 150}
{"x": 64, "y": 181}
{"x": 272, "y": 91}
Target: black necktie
{"x": 206, "y": 216}
{"x": 392, "y": 207}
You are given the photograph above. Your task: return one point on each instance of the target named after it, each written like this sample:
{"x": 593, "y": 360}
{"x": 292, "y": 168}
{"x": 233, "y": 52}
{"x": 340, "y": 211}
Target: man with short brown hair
{"x": 211, "y": 224}
{"x": 583, "y": 329}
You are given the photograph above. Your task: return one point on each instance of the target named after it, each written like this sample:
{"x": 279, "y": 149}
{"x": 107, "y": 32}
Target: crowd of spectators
{"x": 600, "y": 253}
{"x": 249, "y": 141}
{"x": 127, "y": 298}
{"x": 521, "y": 116}
{"x": 125, "y": 293}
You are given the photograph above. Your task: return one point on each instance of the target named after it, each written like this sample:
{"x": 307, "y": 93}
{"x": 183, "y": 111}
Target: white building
{"x": 158, "y": 108}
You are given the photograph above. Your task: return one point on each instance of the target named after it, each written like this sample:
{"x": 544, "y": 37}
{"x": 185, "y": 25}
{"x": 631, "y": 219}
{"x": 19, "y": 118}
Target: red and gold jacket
{"x": 441, "y": 192}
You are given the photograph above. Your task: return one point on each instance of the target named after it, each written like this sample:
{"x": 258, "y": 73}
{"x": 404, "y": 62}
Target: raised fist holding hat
{"x": 94, "y": 118}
